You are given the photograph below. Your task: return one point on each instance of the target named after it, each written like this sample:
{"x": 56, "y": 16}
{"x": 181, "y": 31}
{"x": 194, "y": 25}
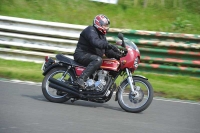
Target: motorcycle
{"x": 134, "y": 94}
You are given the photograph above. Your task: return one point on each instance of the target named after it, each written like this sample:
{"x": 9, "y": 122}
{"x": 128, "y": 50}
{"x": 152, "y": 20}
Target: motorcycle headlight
{"x": 136, "y": 62}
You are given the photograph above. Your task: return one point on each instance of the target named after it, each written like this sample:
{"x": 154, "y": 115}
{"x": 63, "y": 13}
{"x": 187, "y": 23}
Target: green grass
{"x": 20, "y": 70}
{"x": 184, "y": 17}
{"x": 180, "y": 87}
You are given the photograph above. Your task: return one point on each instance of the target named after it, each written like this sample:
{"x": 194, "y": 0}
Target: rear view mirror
{"x": 120, "y": 36}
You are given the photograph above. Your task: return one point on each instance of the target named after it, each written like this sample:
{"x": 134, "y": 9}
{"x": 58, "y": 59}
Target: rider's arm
{"x": 96, "y": 40}
{"x": 112, "y": 54}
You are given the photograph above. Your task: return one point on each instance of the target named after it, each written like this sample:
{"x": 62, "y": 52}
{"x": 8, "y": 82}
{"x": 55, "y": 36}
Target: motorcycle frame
{"x": 125, "y": 64}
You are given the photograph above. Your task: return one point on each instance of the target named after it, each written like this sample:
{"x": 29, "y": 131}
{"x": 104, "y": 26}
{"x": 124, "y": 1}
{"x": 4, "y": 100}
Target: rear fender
{"x": 51, "y": 67}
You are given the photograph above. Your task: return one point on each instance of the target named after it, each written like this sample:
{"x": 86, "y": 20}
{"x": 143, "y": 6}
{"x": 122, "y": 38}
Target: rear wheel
{"x": 139, "y": 101}
{"x": 52, "y": 94}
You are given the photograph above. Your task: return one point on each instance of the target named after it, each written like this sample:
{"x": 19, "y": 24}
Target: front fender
{"x": 140, "y": 76}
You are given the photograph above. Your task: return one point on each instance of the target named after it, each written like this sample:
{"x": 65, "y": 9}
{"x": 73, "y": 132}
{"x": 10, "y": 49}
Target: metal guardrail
{"x": 169, "y": 53}
{"x": 31, "y": 40}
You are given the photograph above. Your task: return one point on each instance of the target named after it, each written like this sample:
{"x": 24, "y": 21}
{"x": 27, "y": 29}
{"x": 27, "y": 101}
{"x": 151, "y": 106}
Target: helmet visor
{"x": 106, "y": 27}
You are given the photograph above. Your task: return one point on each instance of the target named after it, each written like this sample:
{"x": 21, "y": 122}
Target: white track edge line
{"x": 155, "y": 98}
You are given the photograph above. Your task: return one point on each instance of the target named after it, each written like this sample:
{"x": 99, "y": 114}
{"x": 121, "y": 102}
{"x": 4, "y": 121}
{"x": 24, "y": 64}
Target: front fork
{"x": 130, "y": 81}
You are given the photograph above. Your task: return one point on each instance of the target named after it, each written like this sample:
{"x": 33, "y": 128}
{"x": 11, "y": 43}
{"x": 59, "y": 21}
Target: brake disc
{"x": 137, "y": 96}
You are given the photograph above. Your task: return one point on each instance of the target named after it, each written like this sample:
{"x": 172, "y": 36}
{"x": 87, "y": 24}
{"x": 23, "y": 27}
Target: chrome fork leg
{"x": 130, "y": 80}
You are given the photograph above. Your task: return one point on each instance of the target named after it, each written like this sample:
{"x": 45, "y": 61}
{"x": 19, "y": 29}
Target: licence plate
{"x": 43, "y": 66}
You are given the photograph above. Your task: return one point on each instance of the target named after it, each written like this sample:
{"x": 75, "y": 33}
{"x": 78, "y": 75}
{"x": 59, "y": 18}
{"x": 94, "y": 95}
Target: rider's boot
{"x": 90, "y": 69}
{"x": 81, "y": 80}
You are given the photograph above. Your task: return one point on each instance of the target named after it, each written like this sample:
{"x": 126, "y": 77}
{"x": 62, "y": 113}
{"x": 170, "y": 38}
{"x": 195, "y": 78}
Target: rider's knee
{"x": 99, "y": 60}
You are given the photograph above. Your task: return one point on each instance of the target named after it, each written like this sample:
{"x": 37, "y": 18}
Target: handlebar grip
{"x": 121, "y": 48}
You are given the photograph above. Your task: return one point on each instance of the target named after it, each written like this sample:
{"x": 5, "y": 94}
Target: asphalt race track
{"x": 23, "y": 109}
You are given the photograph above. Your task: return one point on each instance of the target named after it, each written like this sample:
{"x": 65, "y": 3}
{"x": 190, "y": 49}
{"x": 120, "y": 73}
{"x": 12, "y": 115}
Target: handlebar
{"x": 122, "y": 50}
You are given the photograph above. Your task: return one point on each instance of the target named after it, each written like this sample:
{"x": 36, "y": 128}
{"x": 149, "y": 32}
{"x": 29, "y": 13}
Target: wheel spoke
{"x": 137, "y": 100}
{"x": 56, "y": 75}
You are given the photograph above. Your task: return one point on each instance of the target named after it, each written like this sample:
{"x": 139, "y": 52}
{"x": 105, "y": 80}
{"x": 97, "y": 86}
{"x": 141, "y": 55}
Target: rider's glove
{"x": 113, "y": 48}
{"x": 109, "y": 46}
{"x": 124, "y": 53}
{"x": 118, "y": 56}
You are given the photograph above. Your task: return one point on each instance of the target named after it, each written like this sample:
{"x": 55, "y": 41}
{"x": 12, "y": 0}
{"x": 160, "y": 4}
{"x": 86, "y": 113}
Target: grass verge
{"x": 171, "y": 17}
{"x": 180, "y": 87}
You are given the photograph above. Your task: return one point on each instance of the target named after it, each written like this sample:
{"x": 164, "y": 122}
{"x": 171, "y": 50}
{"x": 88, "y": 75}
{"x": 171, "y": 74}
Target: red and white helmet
{"x": 101, "y": 22}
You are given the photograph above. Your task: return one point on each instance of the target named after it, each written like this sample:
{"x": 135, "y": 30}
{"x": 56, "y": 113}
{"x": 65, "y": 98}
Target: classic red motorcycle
{"x": 134, "y": 93}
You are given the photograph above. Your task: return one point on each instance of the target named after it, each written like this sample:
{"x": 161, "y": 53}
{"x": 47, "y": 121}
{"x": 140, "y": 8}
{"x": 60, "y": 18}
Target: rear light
{"x": 46, "y": 58}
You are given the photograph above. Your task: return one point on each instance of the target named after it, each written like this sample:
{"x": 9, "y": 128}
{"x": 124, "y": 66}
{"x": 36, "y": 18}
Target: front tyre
{"x": 138, "y": 102}
{"x": 52, "y": 94}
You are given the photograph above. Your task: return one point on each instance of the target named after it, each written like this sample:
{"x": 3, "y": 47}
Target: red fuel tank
{"x": 110, "y": 64}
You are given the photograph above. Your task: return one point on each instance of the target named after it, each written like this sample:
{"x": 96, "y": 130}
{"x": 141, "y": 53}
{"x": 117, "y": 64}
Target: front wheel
{"x": 135, "y": 102}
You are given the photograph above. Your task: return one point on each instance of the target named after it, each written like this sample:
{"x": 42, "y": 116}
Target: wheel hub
{"x": 137, "y": 96}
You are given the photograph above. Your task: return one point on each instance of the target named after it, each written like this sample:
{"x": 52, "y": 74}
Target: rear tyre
{"x": 52, "y": 94}
{"x": 138, "y": 102}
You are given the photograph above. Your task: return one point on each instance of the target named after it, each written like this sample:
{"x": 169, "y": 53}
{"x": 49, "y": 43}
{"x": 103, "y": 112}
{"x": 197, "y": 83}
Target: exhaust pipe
{"x": 52, "y": 85}
{"x": 59, "y": 83}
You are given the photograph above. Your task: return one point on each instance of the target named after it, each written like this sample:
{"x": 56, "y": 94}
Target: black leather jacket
{"x": 94, "y": 42}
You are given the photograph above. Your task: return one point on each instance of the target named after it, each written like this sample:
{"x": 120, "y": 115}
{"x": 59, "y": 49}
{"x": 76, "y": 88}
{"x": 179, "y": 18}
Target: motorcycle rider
{"x": 91, "y": 47}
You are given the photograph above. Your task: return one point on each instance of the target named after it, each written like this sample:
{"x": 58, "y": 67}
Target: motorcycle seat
{"x": 67, "y": 60}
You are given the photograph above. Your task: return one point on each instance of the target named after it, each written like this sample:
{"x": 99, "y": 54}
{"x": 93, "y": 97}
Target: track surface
{"x": 23, "y": 109}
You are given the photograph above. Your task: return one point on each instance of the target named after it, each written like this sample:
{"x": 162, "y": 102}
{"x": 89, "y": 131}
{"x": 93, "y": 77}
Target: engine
{"x": 98, "y": 85}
